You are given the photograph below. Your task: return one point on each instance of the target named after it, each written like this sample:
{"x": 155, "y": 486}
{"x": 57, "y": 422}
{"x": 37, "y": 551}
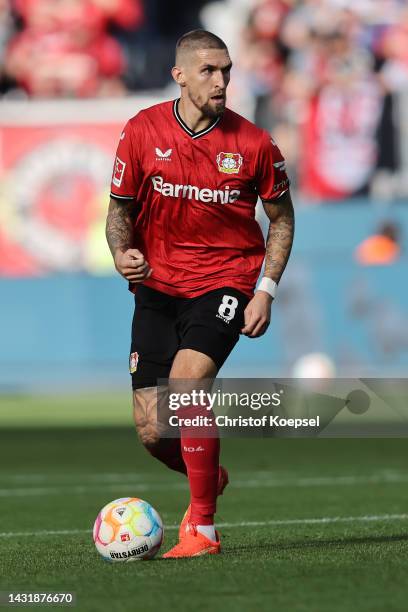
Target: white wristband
{"x": 268, "y": 285}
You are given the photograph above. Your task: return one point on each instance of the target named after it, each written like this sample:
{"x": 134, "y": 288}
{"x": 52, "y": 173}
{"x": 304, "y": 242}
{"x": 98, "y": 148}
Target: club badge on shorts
{"x": 229, "y": 163}
{"x": 133, "y": 361}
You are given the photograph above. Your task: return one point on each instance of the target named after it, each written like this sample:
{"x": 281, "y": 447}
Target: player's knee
{"x": 151, "y": 443}
{"x": 148, "y": 433}
{"x": 145, "y": 416}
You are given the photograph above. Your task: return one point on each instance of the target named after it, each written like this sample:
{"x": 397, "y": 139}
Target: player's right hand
{"x": 132, "y": 265}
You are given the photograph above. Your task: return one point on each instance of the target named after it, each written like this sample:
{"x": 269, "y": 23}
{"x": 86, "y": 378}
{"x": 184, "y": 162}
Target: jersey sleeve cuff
{"x": 275, "y": 196}
{"x": 121, "y": 197}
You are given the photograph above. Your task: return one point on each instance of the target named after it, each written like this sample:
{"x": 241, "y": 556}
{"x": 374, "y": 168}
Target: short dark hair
{"x": 199, "y": 39}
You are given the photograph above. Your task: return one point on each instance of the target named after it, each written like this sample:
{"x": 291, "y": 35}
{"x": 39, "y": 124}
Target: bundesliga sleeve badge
{"x": 229, "y": 163}
{"x": 118, "y": 172}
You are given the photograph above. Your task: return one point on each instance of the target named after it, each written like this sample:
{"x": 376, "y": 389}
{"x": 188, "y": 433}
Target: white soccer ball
{"x": 128, "y": 529}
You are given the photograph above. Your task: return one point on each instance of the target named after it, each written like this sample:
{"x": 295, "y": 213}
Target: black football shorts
{"x": 163, "y": 324}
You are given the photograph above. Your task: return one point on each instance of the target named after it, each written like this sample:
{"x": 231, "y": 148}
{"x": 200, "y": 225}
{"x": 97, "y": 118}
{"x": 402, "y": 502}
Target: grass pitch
{"x": 306, "y": 525}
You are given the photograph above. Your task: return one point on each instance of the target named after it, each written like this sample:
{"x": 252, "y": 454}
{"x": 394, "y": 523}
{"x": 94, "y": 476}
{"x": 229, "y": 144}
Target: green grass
{"x": 57, "y": 478}
{"x": 104, "y": 409}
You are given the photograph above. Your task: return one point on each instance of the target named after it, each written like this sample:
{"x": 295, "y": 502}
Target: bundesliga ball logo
{"x": 229, "y": 163}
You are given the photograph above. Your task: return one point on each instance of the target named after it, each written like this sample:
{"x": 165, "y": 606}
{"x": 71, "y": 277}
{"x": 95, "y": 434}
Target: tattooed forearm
{"x": 280, "y": 236}
{"x": 119, "y": 225}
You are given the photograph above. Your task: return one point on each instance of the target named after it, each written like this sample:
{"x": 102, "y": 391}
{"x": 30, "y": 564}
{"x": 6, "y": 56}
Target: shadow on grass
{"x": 316, "y": 544}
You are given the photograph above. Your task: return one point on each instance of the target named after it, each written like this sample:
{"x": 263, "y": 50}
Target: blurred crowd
{"x": 58, "y": 48}
{"x": 328, "y": 78}
{"x": 88, "y": 48}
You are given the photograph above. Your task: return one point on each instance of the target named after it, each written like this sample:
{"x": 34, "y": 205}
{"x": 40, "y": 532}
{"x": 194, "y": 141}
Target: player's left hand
{"x": 257, "y": 315}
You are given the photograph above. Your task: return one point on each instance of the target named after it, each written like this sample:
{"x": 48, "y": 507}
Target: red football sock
{"x": 168, "y": 451}
{"x": 201, "y": 456}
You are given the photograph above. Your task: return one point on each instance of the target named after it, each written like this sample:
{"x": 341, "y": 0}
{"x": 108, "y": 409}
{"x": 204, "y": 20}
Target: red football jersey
{"x": 196, "y": 195}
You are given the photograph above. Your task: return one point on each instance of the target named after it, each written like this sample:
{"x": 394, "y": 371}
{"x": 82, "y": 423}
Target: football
{"x": 128, "y": 529}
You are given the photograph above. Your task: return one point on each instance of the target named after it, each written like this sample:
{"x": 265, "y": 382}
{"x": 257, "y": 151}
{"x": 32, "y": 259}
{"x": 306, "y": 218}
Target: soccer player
{"x": 181, "y": 228}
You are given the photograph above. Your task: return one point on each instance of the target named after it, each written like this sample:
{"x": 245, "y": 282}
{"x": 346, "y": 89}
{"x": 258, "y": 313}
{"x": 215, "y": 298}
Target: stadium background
{"x": 329, "y": 79}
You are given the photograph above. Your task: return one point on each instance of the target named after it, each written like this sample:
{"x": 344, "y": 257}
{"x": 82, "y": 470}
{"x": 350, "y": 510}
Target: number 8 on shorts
{"x": 228, "y": 307}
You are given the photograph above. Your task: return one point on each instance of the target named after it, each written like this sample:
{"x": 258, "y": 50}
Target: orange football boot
{"x": 223, "y": 480}
{"x": 194, "y": 544}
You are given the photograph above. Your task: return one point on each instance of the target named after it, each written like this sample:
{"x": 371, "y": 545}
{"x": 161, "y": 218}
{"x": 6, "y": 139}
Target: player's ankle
{"x": 202, "y": 516}
{"x": 207, "y": 531}
{"x": 203, "y": 523}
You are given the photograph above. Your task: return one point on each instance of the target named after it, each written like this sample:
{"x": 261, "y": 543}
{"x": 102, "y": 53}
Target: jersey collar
{"x": 185, "y": 127}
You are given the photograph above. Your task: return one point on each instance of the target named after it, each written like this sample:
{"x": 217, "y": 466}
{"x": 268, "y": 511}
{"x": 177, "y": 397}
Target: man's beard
{"x": 213, "y": 113}
{"x": 207, "y": 110}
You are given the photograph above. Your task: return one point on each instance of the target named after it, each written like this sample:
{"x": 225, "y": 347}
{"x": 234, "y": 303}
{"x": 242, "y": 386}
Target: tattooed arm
{"x": 280, "y": 236}
{"x": 129, "y": 262}
{"x": 278, "y": 247}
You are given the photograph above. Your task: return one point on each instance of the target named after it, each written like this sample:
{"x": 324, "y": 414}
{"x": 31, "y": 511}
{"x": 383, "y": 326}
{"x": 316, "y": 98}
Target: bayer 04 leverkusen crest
{"x": 133, "y": 361}
{"x": 230, "y": 163}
